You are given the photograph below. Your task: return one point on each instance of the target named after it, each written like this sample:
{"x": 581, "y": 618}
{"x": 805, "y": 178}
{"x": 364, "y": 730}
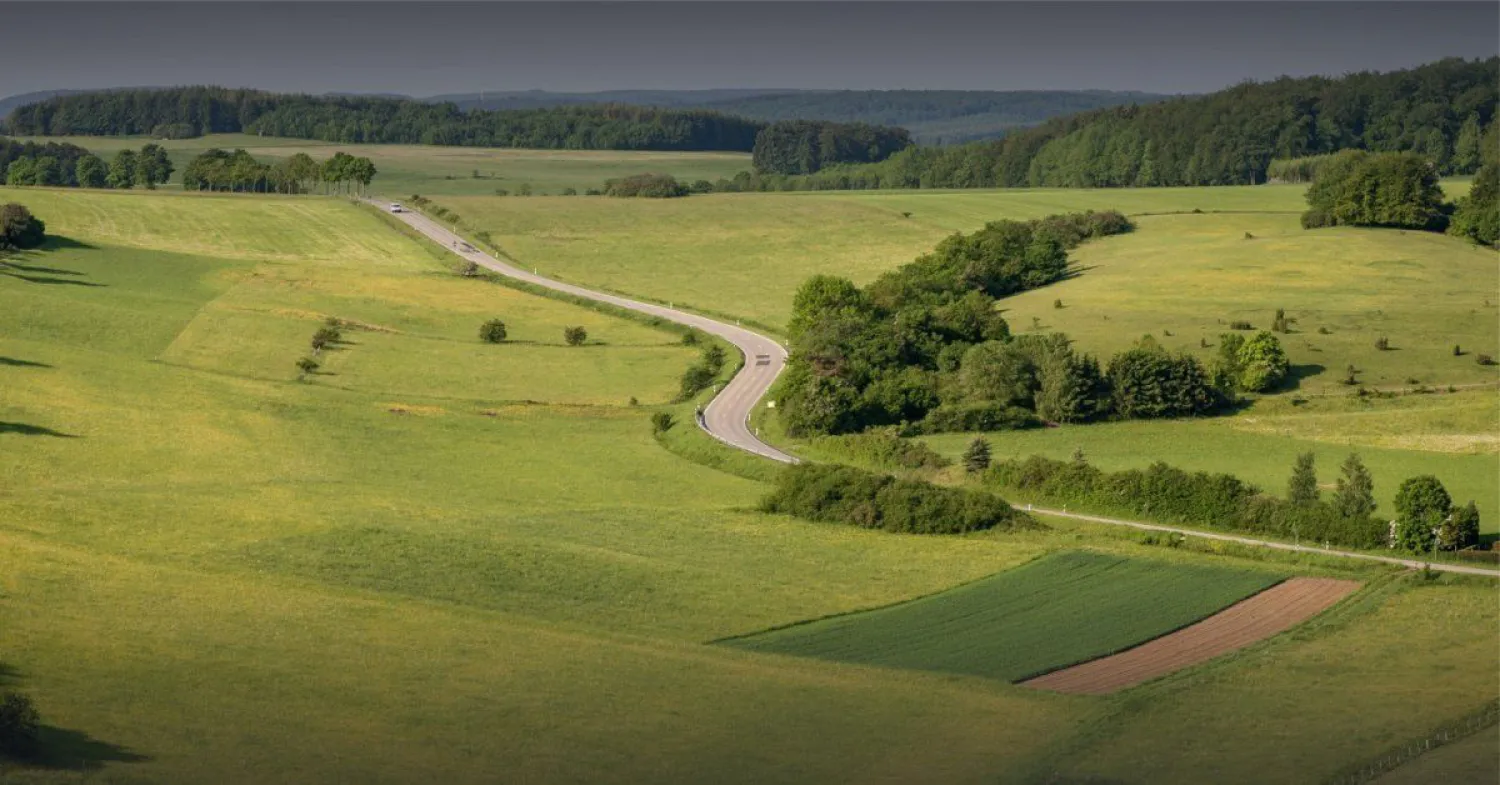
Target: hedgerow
{"x": 831, "y": 493}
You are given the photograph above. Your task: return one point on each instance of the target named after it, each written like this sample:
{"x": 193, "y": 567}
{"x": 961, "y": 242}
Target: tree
{"x": 999, "y": 371}
{"x": 307, "y": 365}
{"x": 1354, "y": 495}
{"x": 575, "y": 336}
{"x": 1072, "y": 389}
{"x": 1147, "y": 382}
{"x": 303, "y": 170}
{"x": 91, "y": 172}
{"x": 1261, "y": 363}
{"x": 1356, "y": 188}
{"x": 152, "y": 166}
{"x": 122, "y": 170}
{"x": 325, "y": 335}
{"x": 977, "y": 456}
{"x": 661, "y": 422}
{"x": 492, "y": 331}
{"x": 20, "y": 725}
{"x": 21, "y": 171}
{"x": 1467, "y": 147}
{"x": 19, "y": 228}
{"x": 1422, "y": 506}
{"x": 1302, "y": 488}
{"x": 1461, "y": 529}
{"x": 1477, "y": 216}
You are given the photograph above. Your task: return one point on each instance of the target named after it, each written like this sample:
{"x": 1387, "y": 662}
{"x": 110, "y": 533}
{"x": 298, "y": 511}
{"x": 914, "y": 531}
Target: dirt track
{"x": 1250, "y": 620}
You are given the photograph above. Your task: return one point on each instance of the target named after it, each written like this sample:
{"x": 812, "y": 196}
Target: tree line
{"x": 1444, "y": 112}
{"x": 1400, "y": 190}
{"x": 238, "y": 171}
{"x": 193, "y": 111}
{"x": 805, "y": 146}
{"x": 68, "y": 165}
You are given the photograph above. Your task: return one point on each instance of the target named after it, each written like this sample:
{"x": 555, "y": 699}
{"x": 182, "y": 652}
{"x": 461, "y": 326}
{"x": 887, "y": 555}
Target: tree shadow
{"x": 15, "y": 363}
{"x": 58, "y": 242}
{"x": 60, "y": 748}
{"x": 1297, "y": 373}
{"x": 44, "y": 280}
{"x": 33, "y": 430}
{"x": 36, "y": 268}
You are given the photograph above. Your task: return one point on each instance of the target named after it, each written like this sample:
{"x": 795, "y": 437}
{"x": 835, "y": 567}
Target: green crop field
{"x": 1058, "y": 611}
{"x": 401, "y": 569}
{"x": 429, "y": 169}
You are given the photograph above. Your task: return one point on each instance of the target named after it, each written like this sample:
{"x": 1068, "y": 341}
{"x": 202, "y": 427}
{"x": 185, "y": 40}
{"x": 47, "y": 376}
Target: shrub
{"x": 1422, "y": 505}
{"x": 307, "y": 365}
{"x": 575, "y": 336}
{"x": 883, "y": 447}
{"x": 19, "y": 228}
{"x": 324, "y": 336}
{"x": 1058, "y": 303}
{"x": 1241, "y": 324}
{"x": 982, "y": 416}
{"x": 661, "y": 422}
{"x": 570, "y": 191}
{"x": 842, "y": 494}
{"x": 1484, "y": 359}
{"x": 1349, "y": 376}
{"x": 690, "y": 338}
{"x": 492, "y": 331}
{"x": 1383, "y": 343}
{"x": 1457, "y": 352}
{"x": 694, "y": 380}
{"x": 654, "y": 186}
{"x": 468, "y": 268}
{"x": 20, "y": 725}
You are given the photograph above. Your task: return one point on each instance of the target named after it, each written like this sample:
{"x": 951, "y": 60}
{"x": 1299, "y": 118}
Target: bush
{"x": 570, "y": 191}
{"x": 492, "y": 331}
{"x": 1484, "y": 359}
{"x": 575, "y": 336}
{"x": 307, "y": 365}
{"x": 977, "y": 456}
{"x": 981, "y": 416}
{"x": 842, "y": 494}
{"x": 20, "y": 725}
{"x": 468, "y": 268}
{"x": 1383, "y": 343}
{"x": 19, "y": 228}
{"x": 653, "y": 186}
{"x": 661, "y": 422}
{"x": 883, "y": 447}
{"x": 324, "y": 336}
{"x": 1241, "y": 324}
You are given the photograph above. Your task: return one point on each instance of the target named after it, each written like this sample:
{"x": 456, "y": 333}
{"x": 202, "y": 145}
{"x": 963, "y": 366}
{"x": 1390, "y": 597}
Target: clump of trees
{"x": 1477, "y": 216}
{"x": 1257, "y": 364}
{"x": 805, "y": 146}
{"x": 1426, "y": 518}
{"x": 19, "y": 229}
{"x": 841, "y": 494}
{"x": 1356, "y": 188}
{"x": 925, "y": 346}
{"x": 652, "y": 186}
{"x": 68, "y": 165}
{"x": 238, "y": 171}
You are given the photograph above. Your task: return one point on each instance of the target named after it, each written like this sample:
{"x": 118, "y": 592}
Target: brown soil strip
{"x": 1248, "y": 621}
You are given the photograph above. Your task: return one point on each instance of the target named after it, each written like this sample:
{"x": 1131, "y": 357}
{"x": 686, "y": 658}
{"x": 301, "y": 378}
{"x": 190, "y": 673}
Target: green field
{"x": 1057, "y": 611}
{"x": 428, "y": 169}
{"x": 399, "y": 569}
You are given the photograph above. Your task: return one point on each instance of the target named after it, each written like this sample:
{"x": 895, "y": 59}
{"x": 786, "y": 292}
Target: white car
{"x": 397, "y": 208}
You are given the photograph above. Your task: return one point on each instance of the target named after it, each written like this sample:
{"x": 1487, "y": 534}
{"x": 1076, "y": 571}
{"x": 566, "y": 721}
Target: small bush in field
{"x": 575, "y": 336}
{"x": 492, "y": 331}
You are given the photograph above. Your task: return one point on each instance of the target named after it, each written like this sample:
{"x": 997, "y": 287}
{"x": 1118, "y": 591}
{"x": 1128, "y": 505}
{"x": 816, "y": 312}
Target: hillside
{"x": 932, "y": 116}
{"x": 1441, "y": 110}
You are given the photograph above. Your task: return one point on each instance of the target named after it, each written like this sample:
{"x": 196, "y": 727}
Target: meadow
{"x": 429, "y": 169}
{"x": 437, "y": 559}
{"x": 1060, "y": 610}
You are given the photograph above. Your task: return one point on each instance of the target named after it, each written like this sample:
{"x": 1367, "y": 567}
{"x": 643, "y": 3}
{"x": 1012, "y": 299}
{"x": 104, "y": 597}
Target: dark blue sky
{"x": 421, "y": 47}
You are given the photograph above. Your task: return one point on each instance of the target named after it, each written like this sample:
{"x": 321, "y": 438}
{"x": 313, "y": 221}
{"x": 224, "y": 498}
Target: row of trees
{"x": 1444, "y": 112}
{"x": 68, "y": 165}
{"x": 805, "y": 146}
{"x": 925, "y": 342}
{"x": 350, "y": 119}
{"x": 219, "y": 170}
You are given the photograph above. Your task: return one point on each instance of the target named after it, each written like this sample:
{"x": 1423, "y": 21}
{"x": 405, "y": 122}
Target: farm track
{"x": 1251, "y": 620}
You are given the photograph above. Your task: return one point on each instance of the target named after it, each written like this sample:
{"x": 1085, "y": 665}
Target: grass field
{"x": 1058, "y": 611}
{"x": 210, "y": 572}
{"x": 427, "y": 169}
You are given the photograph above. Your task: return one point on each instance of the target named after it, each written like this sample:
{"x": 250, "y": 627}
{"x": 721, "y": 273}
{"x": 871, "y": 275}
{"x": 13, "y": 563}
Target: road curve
{"x": 727, "y": 416}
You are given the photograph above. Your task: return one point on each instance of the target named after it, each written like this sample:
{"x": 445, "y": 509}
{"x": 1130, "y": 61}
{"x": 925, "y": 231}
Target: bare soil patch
{"x": 1248, "y": 621}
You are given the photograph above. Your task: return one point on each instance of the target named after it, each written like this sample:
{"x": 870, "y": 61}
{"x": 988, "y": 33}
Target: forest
{"x": 1444, "y": 112}
{"x": 805, "y": 146}
{"x": 194, "y": 111}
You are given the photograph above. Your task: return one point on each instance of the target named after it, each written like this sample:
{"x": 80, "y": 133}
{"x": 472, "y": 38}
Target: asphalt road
{"x": 727, "y": 416}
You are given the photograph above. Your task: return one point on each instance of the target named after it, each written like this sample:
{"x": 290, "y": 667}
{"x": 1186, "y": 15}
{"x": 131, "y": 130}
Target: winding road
{"x": 727, "y": 417}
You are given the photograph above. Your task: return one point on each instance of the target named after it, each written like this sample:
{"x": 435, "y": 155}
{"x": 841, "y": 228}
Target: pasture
{"x": 402, "y": 569}
{"x": 430, "y": 169}
{"x": 1060, "y": 610}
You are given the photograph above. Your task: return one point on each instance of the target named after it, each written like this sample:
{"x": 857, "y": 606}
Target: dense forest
{"x": 192, "y": 111}
{"x": 1442, "y": 112}
{"x": 805, "y": 146}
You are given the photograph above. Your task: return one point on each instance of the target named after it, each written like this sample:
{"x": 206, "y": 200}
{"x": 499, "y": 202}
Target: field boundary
{"x": 1487, "y": 716}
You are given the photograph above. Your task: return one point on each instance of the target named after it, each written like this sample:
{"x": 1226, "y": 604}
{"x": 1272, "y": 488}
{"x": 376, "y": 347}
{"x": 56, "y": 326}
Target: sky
{"x": 426, "y": 47}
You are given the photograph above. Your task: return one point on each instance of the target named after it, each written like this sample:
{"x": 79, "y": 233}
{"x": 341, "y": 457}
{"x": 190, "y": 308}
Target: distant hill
{"x": 932, "y": 116}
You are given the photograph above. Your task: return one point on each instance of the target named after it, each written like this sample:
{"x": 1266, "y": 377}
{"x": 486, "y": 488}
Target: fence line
{"x": 1486, "y": 717}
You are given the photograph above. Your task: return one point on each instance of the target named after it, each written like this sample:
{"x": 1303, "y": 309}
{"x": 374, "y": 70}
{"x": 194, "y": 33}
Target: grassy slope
{"x": 426, "y": 169}
{"x": 243, "y": 578}
{"x": 1046, "y": 615}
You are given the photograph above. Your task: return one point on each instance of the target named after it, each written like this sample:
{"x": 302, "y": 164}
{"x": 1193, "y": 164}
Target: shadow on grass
{"x": 55, "y": 281}
{"x": 33, "y": 430}
{"x": 12, "y": 362}
{"x": 58, "y": 242}
{"x": 60, "y": 748}
{"x": 1297, "y": 373}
